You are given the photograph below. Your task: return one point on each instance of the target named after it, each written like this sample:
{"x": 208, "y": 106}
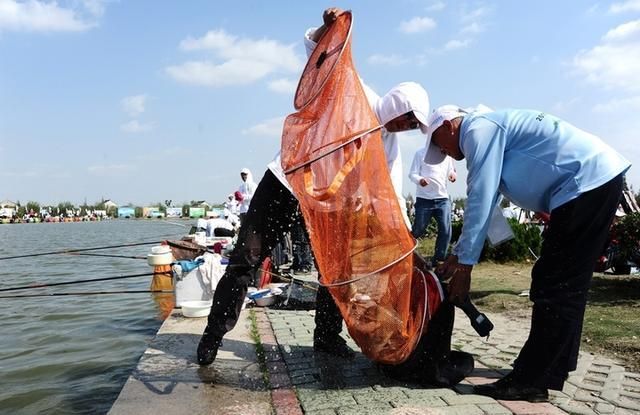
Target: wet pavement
{"x": 296, "y": 380}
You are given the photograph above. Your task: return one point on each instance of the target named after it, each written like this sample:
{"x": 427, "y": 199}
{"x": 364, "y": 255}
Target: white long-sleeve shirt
{"x": 436, "y": 176}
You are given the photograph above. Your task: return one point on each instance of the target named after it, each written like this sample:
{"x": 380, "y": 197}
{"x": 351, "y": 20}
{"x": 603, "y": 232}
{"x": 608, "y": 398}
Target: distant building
{"x": 196, "y": 212}
{"x": 8, "y": 204}
{"x": 152, "y": 212}
{"x": 174, "y": 212}
{"x": 110, "y": 204}
{"x": 126, "y": 212}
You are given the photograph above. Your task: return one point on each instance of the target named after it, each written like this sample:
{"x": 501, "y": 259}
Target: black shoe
{"x": 509, "y": 388}
{"x": 336, "y": 346}
{"x": 454, "y": 369}
{"x": 208, "y": 349}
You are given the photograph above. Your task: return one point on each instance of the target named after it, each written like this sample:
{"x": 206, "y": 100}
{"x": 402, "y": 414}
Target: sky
{"x": 143, "y": 101}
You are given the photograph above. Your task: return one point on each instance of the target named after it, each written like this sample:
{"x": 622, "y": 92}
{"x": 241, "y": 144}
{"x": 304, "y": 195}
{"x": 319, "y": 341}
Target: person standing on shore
{"x": 543, "y": 164}
{"x": 432, "y": 199}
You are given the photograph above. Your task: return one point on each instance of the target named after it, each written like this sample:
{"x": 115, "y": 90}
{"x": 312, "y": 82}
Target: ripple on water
{"x": 72, "y": 355}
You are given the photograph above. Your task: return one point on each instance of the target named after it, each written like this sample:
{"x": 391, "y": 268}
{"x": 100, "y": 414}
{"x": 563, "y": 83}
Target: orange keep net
{"x": 333, "y": 156}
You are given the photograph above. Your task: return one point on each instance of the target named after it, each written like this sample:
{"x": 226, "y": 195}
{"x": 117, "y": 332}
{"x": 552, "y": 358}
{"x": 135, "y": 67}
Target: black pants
{"x": 272, "y": 213}
{"x": 560, "y": 283}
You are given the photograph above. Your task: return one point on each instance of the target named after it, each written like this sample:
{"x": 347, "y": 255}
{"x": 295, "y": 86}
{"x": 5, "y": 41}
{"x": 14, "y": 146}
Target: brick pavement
{"x": 327, "y": 385}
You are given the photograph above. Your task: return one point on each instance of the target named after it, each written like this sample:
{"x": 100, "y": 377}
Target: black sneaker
{"x": 509, "y": 388}
{"x": 336, "y": 346}
{"x": 208, "y": 349}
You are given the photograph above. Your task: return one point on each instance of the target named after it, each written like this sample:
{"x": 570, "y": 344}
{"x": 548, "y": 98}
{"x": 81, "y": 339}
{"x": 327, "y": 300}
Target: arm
{"x": 483, "y": 146}
{"x": 414, "y": 172}
{"x": 452, "y": 171}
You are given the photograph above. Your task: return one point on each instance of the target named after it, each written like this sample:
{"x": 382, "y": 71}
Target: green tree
{"x": 33, "y": 206}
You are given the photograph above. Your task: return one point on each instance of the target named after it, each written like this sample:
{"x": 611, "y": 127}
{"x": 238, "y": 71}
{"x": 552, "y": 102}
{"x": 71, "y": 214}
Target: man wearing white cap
{"x": 272, "y": 213}
{"x": 544, "y": 164}
{"x": 247, "y": 189}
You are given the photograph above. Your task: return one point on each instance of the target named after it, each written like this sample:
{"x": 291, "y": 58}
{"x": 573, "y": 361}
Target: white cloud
{"x": 237, "y": 61}
{"x": 417, "y": 25}
{"x": 40, "y": 16}
{"x": 134, "y": 126}
{"x": 19, "y": 174}
{"x": 615, "y": 62}
{"x": 473, "y": 28}
{"x": 271, "y": 128}
{"x": 110, "y": 169}
{"x": 283, "y": 86}
{"x": 391, "y": 60}
{"x": 436, "y": 6}
{"x": 626, "y": 6}
{"x": 457, "y": 44}
{"x": 623, "y": 105}
{"x": 562, "y": 107}
{"x": 476, "y": 15}
{"x": 626, "y": 31}
{"x": 134, "y": 105}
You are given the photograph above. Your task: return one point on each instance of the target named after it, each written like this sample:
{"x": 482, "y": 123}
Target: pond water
{"x": 72, "y": 354}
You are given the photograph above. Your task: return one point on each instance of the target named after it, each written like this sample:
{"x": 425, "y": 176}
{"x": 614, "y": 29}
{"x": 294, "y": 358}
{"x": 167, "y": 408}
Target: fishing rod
{"x": 291, "y": 280}
{"x": 107, "y": 255}
{"x": 69, "y": 251}
{"x": 55, "y": 284}
{"x": 86, "y": 293}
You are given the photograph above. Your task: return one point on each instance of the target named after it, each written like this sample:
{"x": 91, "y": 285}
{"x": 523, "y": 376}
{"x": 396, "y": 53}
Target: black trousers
{"x": 272, "y": 213}
{"x": 560, "y": 283}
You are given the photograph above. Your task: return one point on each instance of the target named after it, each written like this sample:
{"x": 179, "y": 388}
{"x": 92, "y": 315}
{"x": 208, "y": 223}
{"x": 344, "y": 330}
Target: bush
{"x": 526, "y": 235}
{"x": 627, "y": 232}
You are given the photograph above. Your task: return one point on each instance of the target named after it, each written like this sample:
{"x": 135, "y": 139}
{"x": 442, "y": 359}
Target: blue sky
{"x": 142, "y": 101}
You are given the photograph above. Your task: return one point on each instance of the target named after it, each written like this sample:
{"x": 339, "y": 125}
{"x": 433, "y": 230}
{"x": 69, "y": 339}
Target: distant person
{"x": 219, "y": 226}
{"x": 432, "y": 198}
{"x": 302, "y": 258}
{"x": 246, "y": 189}
{"x": 232, "y": 204}
{"x": 544, "y": 164}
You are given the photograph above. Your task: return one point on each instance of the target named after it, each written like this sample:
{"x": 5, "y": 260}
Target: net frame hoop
{"x": 312, "y": 62}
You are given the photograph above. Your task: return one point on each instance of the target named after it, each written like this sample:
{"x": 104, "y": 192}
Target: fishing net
{"x": 334, "y": 159}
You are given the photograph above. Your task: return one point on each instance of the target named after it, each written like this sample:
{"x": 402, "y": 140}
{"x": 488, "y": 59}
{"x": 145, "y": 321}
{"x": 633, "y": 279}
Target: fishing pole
{"x": 107, "y": 255}
{"x": 55, "y": 284}
{"x": 69, "y": 251}
{"x": 86, "y": 293}
{"x": 291, "y": 280}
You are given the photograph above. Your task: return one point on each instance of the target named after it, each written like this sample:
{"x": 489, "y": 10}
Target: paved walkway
{"x": 169, "y": 381}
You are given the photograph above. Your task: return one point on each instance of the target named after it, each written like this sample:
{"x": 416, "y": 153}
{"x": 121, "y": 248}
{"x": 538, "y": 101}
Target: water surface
{"x": 72, "y": 354}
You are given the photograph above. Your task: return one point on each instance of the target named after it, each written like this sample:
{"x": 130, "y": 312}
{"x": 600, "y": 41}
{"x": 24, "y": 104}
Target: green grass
{"x": 612, "y": 318}
{"x": 255, "y": 336}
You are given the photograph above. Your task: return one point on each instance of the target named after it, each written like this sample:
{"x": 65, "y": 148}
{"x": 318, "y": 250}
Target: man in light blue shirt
{"x": 545, "y": 164}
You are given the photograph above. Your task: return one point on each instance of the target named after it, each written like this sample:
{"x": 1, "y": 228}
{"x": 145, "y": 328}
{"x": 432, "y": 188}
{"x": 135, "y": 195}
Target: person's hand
{"x": 423, "y": 182}
{"x": 452, "y": 177}
{"x": 330, "y": 15}
{"x": 459, "y": 278}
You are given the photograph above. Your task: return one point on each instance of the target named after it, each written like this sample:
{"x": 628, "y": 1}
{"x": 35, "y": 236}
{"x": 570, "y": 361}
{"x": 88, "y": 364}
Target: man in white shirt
{"x": 246, "y": 189}
{"x": 432, "y": 198}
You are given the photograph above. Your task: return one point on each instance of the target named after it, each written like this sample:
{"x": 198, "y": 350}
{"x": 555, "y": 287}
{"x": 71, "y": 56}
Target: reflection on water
{"x": 72, "y": 354}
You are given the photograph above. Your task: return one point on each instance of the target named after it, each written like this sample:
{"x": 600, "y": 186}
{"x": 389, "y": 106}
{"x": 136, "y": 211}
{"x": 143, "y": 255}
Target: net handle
{"x": 328, "y": 192}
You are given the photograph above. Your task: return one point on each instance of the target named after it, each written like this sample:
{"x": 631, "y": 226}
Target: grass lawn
{"x": 612, "y": 319}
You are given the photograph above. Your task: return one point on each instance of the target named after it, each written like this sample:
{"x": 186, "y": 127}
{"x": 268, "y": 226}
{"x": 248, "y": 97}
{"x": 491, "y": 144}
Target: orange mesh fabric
{"x": 333, "y": 155}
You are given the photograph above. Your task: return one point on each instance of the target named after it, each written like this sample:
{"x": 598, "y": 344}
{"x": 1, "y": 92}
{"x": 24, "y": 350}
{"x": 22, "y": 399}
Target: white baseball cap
{"x": 441, "y": 114}
{"x": 401, "y": 99}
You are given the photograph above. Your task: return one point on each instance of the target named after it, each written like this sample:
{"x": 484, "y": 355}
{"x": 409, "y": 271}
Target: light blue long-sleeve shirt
{"x": 536, "y": 160}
